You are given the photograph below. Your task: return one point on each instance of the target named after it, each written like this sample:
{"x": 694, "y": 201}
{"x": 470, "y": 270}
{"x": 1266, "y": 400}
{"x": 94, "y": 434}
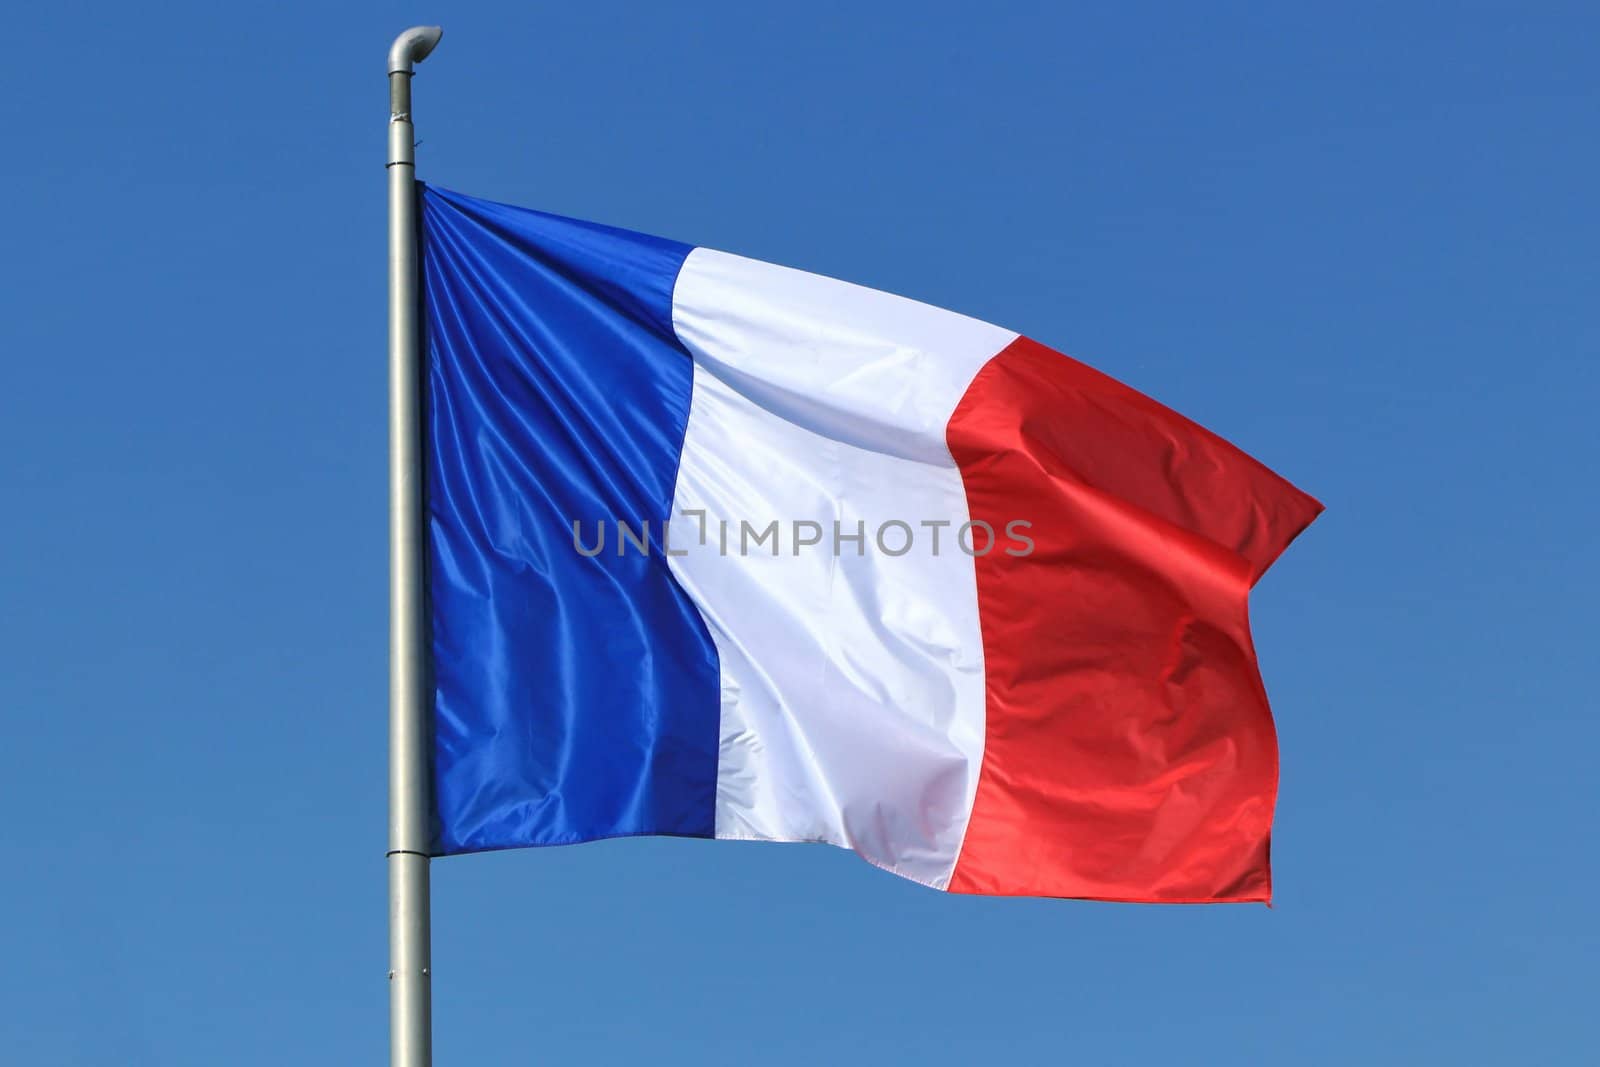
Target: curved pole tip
{"x": 412, "y": 47}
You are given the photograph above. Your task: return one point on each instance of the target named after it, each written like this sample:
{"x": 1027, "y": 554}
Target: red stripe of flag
{"x": 1130, "y": 752}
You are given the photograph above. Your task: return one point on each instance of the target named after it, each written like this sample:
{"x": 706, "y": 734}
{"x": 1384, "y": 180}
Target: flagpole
{"x": 410, "y": 964}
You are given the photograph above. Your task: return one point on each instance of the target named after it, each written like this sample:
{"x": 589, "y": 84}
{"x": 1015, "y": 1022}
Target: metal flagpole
{"x": 410, "y": 993}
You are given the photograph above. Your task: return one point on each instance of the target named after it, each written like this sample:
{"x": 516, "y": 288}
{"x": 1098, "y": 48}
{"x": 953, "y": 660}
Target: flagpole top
{"x": 412, "y": 47}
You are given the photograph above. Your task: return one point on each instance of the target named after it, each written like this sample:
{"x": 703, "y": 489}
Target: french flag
{"x": 724, "y": 549}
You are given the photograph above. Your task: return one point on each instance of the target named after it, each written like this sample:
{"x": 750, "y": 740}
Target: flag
{"x": 718, "y": 548}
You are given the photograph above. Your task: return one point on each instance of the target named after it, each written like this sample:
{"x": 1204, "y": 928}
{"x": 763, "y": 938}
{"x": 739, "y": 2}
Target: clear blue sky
{"x": 1360, "y": 241}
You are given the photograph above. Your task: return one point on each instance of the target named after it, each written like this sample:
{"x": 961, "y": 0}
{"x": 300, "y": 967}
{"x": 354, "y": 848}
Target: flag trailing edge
{"x": 1067, "y": 707}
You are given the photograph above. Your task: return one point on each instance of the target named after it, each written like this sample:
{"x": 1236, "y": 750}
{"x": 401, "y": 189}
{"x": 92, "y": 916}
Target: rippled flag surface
{"x": 872, "y": 573}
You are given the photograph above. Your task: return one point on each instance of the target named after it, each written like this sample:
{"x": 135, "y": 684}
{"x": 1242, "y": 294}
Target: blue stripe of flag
{"x": 574, "y": 698}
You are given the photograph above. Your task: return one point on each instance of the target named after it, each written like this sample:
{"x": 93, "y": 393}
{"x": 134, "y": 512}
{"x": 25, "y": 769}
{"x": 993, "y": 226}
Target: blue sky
{"x": 1360, "y": 241}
